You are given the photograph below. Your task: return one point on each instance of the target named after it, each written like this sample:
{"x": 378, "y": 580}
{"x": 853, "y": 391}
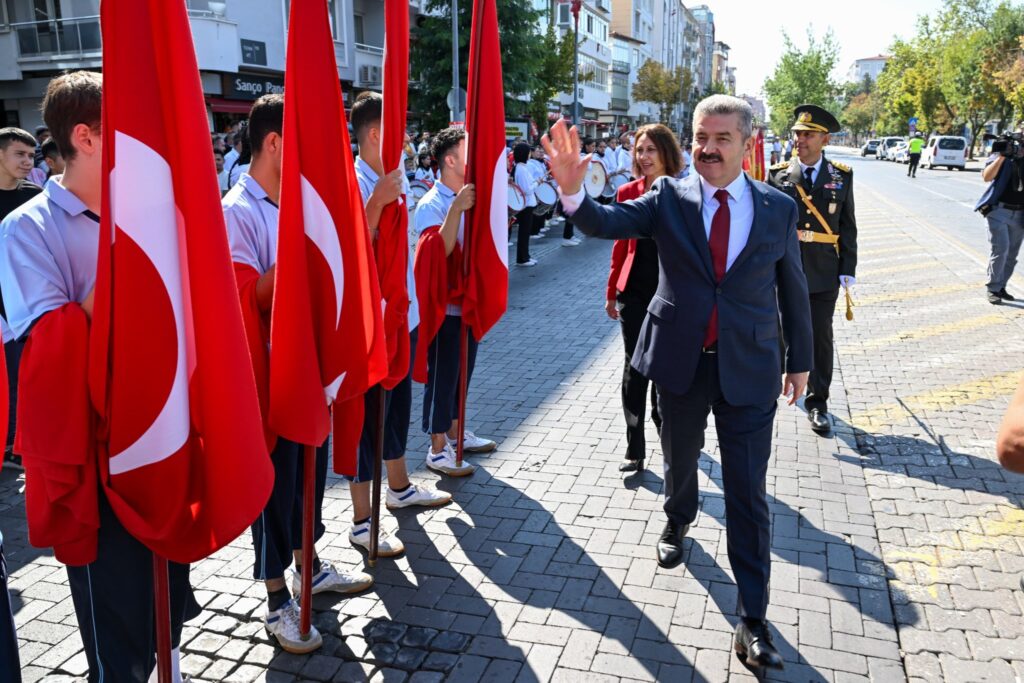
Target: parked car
{"x": 884, "y": 146}
{"x": 890, "y": 152}
{"x": 901, "y": 153}
{"x": 945, "y": 150}
{"x": 870, "y": 147}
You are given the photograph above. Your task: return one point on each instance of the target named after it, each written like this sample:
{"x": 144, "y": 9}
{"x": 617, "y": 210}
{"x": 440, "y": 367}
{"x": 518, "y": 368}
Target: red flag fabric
{"x": 486, "y": 285}
{"x": 326, "y": 332}
{"x": 392, "y": 248}
{"x": 182, "y": 455}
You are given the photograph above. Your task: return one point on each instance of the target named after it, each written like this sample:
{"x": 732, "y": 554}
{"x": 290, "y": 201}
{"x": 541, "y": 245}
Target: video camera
{"x": 1008, "y": 144}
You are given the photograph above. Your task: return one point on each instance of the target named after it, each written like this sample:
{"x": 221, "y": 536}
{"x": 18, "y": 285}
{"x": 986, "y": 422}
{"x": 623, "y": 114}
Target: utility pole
{"x": 455, "y": 62}
{"x": 576, "y": 62}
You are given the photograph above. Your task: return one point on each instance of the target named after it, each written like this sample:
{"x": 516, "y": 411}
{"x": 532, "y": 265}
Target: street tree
{"x": 431, "y": 56}
{"x": 658, "y": 85}
{"x": 555, "y": 74}
{"x": 859, "y": 115}
{"x": 802, "y": 76}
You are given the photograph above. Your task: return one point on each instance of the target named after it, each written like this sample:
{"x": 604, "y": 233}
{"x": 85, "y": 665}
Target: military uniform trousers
{"x": 823, "y": 308}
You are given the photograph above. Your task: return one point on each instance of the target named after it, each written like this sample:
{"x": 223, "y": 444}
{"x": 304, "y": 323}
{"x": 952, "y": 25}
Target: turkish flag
{"x": 182, "y": 457}
{"x": 486, "y": 284}
{"x": 326, "y": 332}
{"x": 392, "y": 247}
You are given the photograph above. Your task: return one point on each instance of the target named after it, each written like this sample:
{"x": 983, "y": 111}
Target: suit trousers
{"x": 745, "y": 443}
{"x": 823, "y": 308}
{"x": 632, "y": 311}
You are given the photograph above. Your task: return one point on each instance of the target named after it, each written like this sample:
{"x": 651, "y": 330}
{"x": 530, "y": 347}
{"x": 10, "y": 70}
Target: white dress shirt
{"x": 741, "y": 211}
{"x": 816, "y": 167}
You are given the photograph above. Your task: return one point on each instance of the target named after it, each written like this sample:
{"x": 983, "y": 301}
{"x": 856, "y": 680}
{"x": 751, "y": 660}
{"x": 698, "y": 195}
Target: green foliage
{"x": 431, "y": 56}
{"x": 554, "y": 76}
{"x": 656, "y": 84}
{"x": 803, "y": 76}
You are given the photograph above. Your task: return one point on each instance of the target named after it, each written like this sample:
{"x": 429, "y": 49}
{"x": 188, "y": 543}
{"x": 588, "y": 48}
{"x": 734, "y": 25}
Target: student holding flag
{"x": 379, "y": 189}
{"x": 251, "y": 214}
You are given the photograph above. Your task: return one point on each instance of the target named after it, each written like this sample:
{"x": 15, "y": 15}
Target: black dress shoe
{"x": 1005, "y": 296}
{"x": 994, "y": 298}
{"x": 670, "y": 545}
{"x": 754, "y": 646}
{"x": 819, "y": 421}
{"x": 632, "y": 465}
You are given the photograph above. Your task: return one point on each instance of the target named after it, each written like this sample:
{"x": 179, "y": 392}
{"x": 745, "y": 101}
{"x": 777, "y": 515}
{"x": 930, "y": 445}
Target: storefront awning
{"x": 223, "y": 106}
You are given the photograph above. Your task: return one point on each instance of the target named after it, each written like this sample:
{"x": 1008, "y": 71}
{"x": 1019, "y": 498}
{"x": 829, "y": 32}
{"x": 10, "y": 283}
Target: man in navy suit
{"x": 730, "y": 272}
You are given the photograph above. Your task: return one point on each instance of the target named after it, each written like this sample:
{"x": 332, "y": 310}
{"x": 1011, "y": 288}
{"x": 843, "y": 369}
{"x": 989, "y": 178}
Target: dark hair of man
{"x": 12, "y": 134}
{"x": 668, "y": 148}
{"x": 367, "y": 111}
{"x": 265, "y": 117}
{"x": 72, "y": 98}
{"x": 445, "y": 143}
{"x": 521, "y": 153}
{"x": 49, "y": 149}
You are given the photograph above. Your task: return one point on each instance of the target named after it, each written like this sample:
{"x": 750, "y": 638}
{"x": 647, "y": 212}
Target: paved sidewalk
{"x": 897, "y": 544}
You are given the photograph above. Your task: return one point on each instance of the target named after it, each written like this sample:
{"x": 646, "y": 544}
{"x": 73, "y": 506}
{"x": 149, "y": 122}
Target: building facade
{"x": 240, "y": 49}
{"x": 869, "y": 66}
{"x": 632, "y": 46}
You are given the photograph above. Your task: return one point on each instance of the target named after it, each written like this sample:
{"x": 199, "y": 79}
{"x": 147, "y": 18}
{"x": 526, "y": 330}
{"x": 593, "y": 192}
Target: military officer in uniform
{"x": 823, "y": 191}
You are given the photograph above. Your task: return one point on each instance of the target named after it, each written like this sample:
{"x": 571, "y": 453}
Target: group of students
{"x": 48, "y": 253}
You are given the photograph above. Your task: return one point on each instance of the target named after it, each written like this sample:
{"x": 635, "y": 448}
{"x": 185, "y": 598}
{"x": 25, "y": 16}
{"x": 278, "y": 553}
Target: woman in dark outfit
{"x": 632, "y": 281}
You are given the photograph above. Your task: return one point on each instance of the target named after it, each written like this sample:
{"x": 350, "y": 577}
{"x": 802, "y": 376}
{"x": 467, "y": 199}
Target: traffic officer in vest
{"x": 823, "y": 191}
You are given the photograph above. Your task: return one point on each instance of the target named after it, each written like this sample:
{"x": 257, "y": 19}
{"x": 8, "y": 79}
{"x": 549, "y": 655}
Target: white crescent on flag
{"x": 142, "y": 200}
{"x": 320, "y": 228}
{"x": 499, "y": 208}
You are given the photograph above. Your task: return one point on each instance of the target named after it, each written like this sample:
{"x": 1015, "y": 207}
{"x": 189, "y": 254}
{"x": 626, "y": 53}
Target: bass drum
{"x": 617, "y": 180}
{"x": 595, "y": 180}
{"x": 516, "y": 199}
{"x": 547, "y": 197}
{"x": 417, "y": 189}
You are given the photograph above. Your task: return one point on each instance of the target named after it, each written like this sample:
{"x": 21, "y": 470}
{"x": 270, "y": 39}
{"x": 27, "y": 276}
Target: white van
{"x": 945, "y": 150}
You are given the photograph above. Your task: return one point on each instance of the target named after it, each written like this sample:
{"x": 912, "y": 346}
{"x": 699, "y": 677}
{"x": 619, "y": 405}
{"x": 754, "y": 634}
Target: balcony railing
{"x": 620, "y": 104}
{"x": 620, "y": 67}
{"x": 77, "y": 36}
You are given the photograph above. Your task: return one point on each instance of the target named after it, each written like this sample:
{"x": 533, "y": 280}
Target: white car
{"x": 884, "y": 146}
{"x": 945, "y": 150}
{"x": 901, "y": 153}
{"x": 890, "y": 151}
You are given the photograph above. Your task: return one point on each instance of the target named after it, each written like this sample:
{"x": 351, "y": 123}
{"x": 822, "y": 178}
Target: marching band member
{"x": 438, "y": 222}
{"x": 539, "y": 169}
{"x": 632, "y": 281}
{"x": 424, "y": 171}
{"x": 251, "y": 215}
{"x": 524, "y": 178}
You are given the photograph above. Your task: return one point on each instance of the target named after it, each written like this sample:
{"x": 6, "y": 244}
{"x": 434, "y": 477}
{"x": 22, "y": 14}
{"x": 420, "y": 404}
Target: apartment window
{"x": 636, "y": 57}
{"x": 563, "y": 13}
{"x": 636, "y": 24}
{"x": 357, "y": 25}
{"x": 590, "y": 24}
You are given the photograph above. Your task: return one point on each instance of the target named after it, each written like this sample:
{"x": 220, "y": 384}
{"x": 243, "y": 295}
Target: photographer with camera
{"x": 1002, "y": 205}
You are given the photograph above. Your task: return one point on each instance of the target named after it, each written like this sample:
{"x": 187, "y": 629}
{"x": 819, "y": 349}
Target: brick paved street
{"x": 898, "y": 544}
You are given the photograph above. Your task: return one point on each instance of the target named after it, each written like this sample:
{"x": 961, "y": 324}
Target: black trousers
{"x": 745, "y": 442}
{"x": 632, "y": 311}
{"x": 10, "y": 669}
{"x": 113, "y": 600}
{"x": 397, "y": 412}
{"x": 12, "y": 356}
{"x": 277, "y": 532}
{"x": 567, "y": 230}
{"x": 915, "y": 159}
{"x": 823, "y": 307}
{"x": 524, "y": 221}
{"x": 441, "y": 393}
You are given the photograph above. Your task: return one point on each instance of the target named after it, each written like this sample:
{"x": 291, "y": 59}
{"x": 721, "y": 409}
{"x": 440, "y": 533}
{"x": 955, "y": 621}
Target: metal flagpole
{"x": 308, "y": 496}
{"x": 162, "y": 614}
{"x": 455, "y": 61}
{"x": 576, "y": 62}
{"x": 378, "y": 466}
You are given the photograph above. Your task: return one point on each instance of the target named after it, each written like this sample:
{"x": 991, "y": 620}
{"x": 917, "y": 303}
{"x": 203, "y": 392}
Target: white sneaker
{"x": 444, "y": 462}
{"x": 577, "y": 240}
{"x": 472, "y": 443}
{"x": 329, "y": 579}
{"x": 527, "y": 264}
{"x": 544, "y": 230}
{"x": 536, "y": 237}
{"x": 283, "y": 624}
{"x": 417, "y": 495}
{"x": 387, "y": 545}
{"x": 570, "y": 243}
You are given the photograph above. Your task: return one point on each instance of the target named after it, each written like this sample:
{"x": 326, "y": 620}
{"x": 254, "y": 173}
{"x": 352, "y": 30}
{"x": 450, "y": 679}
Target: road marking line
{"x": 954, "y": 396}
{"x": 920, "y": 333}
{"x": 917, "y": 293}
{"x": 879, "y": 252}
{"x": 875, "y": 272}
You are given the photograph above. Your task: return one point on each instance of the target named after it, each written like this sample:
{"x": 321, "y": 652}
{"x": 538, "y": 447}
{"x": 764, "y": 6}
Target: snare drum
{"x": 547, "y": 196}
{"x": 595, "y": 180}
{"x": 516, "y": 198}
{"x": 619, "y": 179}
{"x": 417, "y": 189}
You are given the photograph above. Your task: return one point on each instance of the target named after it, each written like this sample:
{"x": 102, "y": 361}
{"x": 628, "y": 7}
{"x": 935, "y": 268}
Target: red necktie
{"x": 718, "y": 242}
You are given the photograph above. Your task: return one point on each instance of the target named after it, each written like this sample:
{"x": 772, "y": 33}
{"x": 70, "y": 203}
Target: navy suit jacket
{"x": 765, "y": 284}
